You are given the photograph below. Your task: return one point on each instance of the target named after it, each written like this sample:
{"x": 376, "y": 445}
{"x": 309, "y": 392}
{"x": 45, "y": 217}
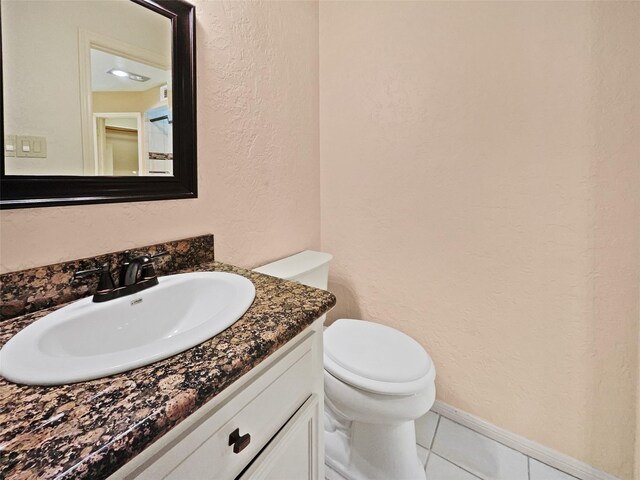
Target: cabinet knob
{"x": 239, "y": 442}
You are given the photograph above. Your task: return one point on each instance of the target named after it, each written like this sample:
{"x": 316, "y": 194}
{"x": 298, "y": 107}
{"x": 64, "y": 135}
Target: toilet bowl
{"x": 377, "y": 382}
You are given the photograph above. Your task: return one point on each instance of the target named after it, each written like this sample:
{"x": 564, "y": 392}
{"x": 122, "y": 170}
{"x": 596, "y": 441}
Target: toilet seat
{"x": 376, "y": 358}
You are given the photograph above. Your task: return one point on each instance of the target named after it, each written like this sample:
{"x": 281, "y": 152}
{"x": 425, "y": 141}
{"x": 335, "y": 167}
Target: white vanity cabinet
{"x": 266, "y": 425}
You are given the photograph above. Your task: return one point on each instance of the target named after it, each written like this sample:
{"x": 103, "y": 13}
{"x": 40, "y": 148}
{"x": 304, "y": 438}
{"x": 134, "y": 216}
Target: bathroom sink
{"x": 87, "y": 340}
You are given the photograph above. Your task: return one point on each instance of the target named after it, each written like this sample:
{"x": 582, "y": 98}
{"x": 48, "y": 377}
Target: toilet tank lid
{"x": 376, "y": 358}
{"x": 295, "y": 265}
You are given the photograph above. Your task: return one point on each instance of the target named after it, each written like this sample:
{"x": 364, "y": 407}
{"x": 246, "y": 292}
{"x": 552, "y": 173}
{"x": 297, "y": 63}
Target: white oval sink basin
{"x": 87, "y": 340}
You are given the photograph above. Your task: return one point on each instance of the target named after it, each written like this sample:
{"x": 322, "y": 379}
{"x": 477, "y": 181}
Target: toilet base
{"x": 366, "y": 451}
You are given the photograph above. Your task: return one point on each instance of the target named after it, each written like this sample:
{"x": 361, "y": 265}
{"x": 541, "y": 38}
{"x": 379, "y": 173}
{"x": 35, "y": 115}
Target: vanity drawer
{"x": 260, "y": 403}
{"x": 261, "y": 418}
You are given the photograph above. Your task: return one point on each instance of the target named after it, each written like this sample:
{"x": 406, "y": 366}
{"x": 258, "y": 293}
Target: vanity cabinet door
{"x": 293, "y": 454}
{"x": 231, "y": 436}
{"x": 233, "y": 446}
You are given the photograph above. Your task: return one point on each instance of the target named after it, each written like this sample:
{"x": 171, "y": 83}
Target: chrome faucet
{"x": 136, "y": 274}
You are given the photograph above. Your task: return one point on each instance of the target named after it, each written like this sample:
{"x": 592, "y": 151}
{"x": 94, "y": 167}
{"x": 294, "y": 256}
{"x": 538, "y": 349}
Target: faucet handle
{"x": 148, "y": 269}
{"x": 105, "y": 283}
{"x": 139, "y": 268}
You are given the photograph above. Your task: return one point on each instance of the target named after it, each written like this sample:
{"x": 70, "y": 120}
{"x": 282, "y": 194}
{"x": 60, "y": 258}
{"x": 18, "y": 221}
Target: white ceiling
{"x": 101, "y": 81}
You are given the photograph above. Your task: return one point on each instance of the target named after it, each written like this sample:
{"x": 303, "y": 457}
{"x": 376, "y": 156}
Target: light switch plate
{"x": 34, "y": 147}
{"x": 39, "y": 147}
{"x": 9, "y": 146}
{"x": 23, "y": 146}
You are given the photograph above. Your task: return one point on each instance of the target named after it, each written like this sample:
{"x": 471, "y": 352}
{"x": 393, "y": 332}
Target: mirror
{"x": 98, "y": 101}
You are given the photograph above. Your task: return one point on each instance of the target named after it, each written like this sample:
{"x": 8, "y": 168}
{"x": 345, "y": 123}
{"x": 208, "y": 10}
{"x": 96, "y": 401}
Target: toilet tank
{"x": 308, "y": 267}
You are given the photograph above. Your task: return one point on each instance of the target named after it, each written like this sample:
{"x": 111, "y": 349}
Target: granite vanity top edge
{"x": 89, "y": 430}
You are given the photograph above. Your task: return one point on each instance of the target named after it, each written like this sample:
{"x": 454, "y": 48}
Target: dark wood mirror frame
{"x": 25, "y": 191}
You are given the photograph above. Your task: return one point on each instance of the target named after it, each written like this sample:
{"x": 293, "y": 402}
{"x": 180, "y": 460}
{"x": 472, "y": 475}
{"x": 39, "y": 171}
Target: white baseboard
{"x": 523, "y": 445}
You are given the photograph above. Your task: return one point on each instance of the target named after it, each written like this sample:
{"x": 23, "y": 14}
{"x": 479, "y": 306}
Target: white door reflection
{"x": 119, "y": 147}
{"x": 123, "y": 92}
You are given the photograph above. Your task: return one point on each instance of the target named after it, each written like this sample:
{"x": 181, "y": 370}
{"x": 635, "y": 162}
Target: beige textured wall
{"x": 480, "y": 173}
{"x": 258, "y": 163}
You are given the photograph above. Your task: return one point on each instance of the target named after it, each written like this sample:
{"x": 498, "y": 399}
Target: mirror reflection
{"x": 87, "y": 89}
{"x": 131, "y": 116}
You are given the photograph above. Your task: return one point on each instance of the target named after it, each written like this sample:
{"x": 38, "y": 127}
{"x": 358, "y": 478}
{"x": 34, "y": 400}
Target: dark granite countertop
{"x": 90, "y": 429}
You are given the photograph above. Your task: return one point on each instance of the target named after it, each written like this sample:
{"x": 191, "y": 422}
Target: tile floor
{"x": 450, "y": 451}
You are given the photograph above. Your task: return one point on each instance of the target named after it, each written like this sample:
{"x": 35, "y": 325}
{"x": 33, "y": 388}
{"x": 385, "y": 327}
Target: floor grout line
{"x": 433, "y": 439}
{"x": 426, "y": 462}
{"x": 500, "y": 443}
{"x": 457, "y": 466}
{"x": 550, "y": 466}
{"x": 435, "y": 432}
{"x": 485, "y": 436}
{"x": 430, "y": 451}
{"x": 472, "y": 430}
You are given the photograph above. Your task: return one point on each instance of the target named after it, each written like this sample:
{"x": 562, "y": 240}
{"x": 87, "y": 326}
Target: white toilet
{"x": 377, "y": 382}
